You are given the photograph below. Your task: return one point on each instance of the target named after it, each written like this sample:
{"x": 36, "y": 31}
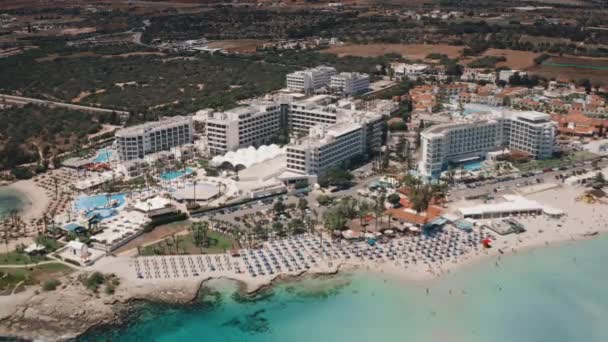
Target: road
{"x": 457, "y": 194}
{"x": 24, "y": 100}
{"x": 255, "y": 205}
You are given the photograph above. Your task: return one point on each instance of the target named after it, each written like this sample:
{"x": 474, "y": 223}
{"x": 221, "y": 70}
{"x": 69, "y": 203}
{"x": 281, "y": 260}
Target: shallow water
{"x": 552, "y": 294}
{"x": 10, "y": 200}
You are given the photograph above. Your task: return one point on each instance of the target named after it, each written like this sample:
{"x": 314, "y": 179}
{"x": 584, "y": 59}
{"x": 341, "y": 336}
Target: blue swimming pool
{"x": 98, "y": 205}
{"x": 471, "y": 108}
{"x": 473, "y": 165}
{"x": 103, "y": 156}
{"x": 171, "y": 175}
{"x": 102, "y": 213}
{"x": 99, "y": 201}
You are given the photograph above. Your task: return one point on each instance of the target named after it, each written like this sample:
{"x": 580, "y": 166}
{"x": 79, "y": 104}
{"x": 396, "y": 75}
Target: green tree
{"x": 394, "y": 199}
{"x": 302, "y": 204}
{"x": 200, "y": 234}
{"x": 279, "y": 207}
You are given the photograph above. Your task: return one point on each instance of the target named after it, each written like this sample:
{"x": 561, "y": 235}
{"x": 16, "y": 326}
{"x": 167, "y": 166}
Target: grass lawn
{"x": 14, "y": 258}
{"x": 218, "y": 243}
{"x": 20, "y": 277}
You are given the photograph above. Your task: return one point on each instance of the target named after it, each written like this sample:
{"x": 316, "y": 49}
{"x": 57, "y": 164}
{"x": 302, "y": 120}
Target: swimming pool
{"x": 103, "y": 156}
{"x": 96, "y": 205}
{"x": 171, "y": 175}
{"x": 98, "y": 201}
{"x": 473, "y": 165}
{"x": 471, "y": 108}
{"x": 101, "y": 213}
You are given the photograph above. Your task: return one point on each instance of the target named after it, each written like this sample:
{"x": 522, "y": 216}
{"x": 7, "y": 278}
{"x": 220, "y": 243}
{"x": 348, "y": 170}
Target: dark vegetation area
{"x": 29, "y": 132}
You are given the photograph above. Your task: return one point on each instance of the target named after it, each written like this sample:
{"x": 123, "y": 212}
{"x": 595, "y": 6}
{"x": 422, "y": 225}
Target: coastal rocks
{"x": 57, "y": 315}
{"x": 254, "y": 323}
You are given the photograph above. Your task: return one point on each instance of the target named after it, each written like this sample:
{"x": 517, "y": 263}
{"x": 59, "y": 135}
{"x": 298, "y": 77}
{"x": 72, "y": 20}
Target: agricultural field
{"x": 574, "y": 68}
{"x": 238, "y": 46}
{"x": 515, "y": 59}
{"x": 408, "y": 51}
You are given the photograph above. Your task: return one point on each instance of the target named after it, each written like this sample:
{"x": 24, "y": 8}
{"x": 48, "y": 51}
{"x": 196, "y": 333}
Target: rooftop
{"x": 164, "y": 123}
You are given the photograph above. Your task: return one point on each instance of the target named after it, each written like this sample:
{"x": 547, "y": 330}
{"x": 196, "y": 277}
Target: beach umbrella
{"x": 487, "y": 242}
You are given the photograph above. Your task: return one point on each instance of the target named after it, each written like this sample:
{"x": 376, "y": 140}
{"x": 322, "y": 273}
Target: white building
{"x": 505, "y": 75}
{"x": 350, "y": 83}
{"x": 476, "y": 75}
{"x": 309, "y": 80}
{"x": 138, "y": 141}
{"x": 314, "y": 118}
{"x": 255, "y": 125}
{"x": 327, "y": 146}
{"x": 529, "y": 132}
{"x": 409, "y": 71}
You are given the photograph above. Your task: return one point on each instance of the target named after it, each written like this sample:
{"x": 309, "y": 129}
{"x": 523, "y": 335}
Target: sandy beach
{"x": 582, "y": 221}
{"x": 36, "y": 198}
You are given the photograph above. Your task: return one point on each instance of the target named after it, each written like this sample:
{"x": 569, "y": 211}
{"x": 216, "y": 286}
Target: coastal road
{"x": 24, "y": 100}
{"x": 513, "y": 184}
{"x": 255, "y": 206}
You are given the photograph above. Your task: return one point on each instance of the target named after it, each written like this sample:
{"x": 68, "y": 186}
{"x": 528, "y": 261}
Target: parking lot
{"x": 511, "y": 184}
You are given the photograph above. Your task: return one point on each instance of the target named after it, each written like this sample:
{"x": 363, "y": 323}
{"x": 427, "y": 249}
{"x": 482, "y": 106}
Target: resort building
{"x": 255, "y": 125}
{"x": 513, "y": 205}
{"x": 309, "y": 80}
{"x": 532, "y": 133}
{"x": 138, "y": 141}
{"x": 350, "y": 83}
{"x": 325, "y": 134}
{"x": 409, "y": 71}
{"x": 328, "y": 146}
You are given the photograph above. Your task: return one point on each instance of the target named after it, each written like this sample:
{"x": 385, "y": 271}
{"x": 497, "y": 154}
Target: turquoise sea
{"x": 10, "y": 200}
{"x": 550, "y": 294}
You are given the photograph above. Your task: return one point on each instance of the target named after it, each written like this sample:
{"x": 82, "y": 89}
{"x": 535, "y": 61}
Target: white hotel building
{"x": 332, "y": 134}
{"x": 349, "y": 83}
{"x": 326, "y": 146}
{"x": 253, "y": 125}
{"x": 307, "y": 81}
{"x": 529, "y": 132}
{"x": 138, "y": 141}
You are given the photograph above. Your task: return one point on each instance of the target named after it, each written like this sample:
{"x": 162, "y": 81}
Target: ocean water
{"x": 550, "y": 294}
{"x": 10, "y": 200}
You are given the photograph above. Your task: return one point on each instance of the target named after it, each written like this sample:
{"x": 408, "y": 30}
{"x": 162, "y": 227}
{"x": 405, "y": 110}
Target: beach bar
{"x": 513, "y": 206}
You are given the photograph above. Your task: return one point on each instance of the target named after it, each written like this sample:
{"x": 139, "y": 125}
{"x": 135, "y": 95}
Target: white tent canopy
{"x": 248, "y": 156}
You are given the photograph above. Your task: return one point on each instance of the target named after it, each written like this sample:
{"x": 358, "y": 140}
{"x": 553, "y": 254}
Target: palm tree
{"x": 379, "y": 208}
{"x": 56, "y": 183}
{"x": 5, "y": 236}
{"x": 194, "y": 190}
{"x": 363, "y": 209}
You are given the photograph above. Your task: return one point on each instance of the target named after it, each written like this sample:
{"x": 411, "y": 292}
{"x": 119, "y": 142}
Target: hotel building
{"x": 255, "y": 125}
{"x": 307, "y": 81}
{"x": 138, "y": 141}
{"x": 529, "y": 132}
{"x": 327, "y": 146}
{"x": 349, "y": 83}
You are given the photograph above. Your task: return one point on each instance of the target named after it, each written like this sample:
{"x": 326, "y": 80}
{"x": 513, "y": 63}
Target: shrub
{"x": 93, "y": 281}
{"x": 51, "y": 285}
{"x": 110, "y": 289}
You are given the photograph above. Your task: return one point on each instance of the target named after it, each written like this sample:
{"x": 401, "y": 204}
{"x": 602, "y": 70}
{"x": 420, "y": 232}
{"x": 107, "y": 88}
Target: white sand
{"x": 37, "y": 200}
{"x": 581, "y": 219}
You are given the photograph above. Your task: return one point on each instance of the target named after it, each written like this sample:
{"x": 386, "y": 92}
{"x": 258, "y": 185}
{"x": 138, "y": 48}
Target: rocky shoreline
{"x": 72, "y": 310}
